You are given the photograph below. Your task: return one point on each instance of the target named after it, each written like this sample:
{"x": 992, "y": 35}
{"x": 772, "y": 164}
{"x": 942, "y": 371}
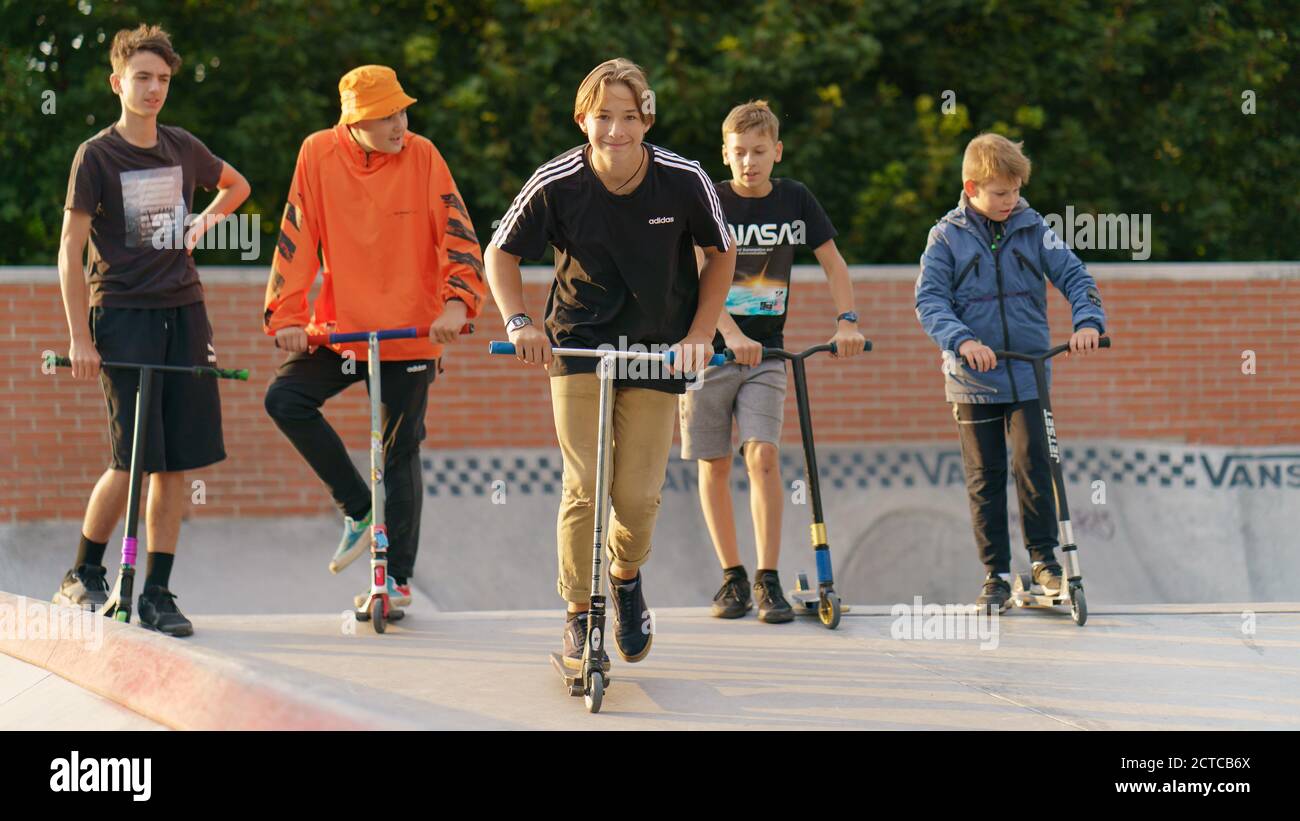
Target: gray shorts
{"x": 754, "y": 396}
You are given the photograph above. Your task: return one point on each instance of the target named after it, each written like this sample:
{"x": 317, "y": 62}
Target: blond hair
{"x": 992, "y": 156}
{"x": 128, "y": 42}
{"x": 618, "y": 70}
{"x": 755, "y": 114}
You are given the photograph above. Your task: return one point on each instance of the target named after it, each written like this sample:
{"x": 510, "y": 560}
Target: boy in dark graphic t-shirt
{"x": 138, "y": 299}
{"x": 768, "y": 218}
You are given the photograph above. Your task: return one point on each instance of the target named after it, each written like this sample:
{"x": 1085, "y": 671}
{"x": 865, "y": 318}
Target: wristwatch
{"x": 518, "y": 321}
{"x": 851, "y": 316}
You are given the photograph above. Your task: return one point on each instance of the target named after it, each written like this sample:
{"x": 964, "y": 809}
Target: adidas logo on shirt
{"x": 661, "y": 220}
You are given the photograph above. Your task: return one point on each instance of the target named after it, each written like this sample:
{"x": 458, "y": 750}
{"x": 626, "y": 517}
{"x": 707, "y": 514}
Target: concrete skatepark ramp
{"x": 1169, "y": 524}
{"x": 1189, "y": 559}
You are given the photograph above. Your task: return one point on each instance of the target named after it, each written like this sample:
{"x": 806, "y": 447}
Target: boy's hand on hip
{"x": 978, "y": 355}
{"x": 848, "y": 341}
{"x": 446, "y": 328}
{"x": 1084, "y": 340}
{"x": 747, "y": 351}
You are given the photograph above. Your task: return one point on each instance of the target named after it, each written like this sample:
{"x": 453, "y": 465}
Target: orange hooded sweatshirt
{"x": 395, "y": 243}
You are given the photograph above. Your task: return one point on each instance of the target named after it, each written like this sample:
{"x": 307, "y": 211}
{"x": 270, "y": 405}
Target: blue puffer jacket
{"x": 969, "y": 290}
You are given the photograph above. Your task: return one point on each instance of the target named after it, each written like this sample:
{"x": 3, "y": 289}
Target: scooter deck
{"x": 808, "y": 603}
{"x": 1025, "y": 593}
{"x": 573, "y": 678}
{"x": 394, "y": 614}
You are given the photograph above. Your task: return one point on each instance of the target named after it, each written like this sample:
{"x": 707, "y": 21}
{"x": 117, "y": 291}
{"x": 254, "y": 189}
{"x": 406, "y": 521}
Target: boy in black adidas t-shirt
{"x": 624, "y": 218}
{"x": 767, "y": 218}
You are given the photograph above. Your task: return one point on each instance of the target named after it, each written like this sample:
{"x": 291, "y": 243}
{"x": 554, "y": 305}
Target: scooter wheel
{"x": 829, "y": 610}
{"x": 1078, "y": 605}
{"x": 377, "y": 614}
{"x": 595, "y": 692}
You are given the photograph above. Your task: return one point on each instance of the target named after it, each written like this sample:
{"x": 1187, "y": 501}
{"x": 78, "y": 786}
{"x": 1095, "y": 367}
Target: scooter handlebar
{"x": 364, "y": 336}
{"x": 1104, "y": 342}
{"x": 197, "y": 370}
{"x": 782, "y": 353}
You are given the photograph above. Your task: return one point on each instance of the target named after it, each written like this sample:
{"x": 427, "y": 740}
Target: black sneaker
{"x": 83, "y": 586}
{"x": 575, "y": 638}
{"x": 733, "y": 599}
{"x": 633, "y": 624}
{"x": 1048, "y": 577}
{"x": 996, "y": 594}
{"x": 772, "y": 606}
{"x": 157, "y": 610}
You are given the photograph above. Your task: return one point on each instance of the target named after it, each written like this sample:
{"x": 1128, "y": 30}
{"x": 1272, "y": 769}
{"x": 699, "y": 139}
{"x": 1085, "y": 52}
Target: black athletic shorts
{"x": 184, "y": 424}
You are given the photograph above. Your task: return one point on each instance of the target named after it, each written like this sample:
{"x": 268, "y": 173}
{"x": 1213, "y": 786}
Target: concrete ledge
{"x": 168, "y": 681}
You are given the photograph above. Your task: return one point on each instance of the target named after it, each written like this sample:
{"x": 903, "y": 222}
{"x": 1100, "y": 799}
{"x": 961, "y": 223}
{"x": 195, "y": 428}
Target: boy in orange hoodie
{"x": 396, "y": 249}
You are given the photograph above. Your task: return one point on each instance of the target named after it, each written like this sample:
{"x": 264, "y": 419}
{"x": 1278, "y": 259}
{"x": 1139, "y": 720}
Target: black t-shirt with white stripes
{"x": 625, "y": 271}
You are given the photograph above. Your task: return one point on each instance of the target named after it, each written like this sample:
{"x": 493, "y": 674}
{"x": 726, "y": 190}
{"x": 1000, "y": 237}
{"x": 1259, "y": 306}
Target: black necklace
{"x": 634, "y": 173}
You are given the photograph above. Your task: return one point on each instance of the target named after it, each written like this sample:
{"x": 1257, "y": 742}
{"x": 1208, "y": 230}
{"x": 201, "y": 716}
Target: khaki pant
{"x": 642, "y": 436}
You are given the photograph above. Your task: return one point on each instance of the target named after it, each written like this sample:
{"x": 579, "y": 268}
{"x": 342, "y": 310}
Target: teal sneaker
{"x": 353, "y": 543}
{"x": 399, "y": 595}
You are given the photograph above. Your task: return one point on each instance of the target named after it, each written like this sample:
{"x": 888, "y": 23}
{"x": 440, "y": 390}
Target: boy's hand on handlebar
{"x": 292, "y": 339}
{"x": 692, "y": 354}
{"x": 85, "y": 359}
{"x": 531, "y": 345}
{"x": 746, "y": 350}
{"x": 1083, "y": 341}
{"x": 446, "y": 328}
{"x": 848, "y": 342}
{"x": 978, "y": 355}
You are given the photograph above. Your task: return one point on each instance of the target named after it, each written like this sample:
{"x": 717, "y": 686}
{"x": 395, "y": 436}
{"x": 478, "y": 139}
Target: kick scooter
{"x": 824, "y": 602}
{"x": 118, "y": 606}
{"x": 1024, "y": 593}
{"x": 376, "y": 606}
{"x": 592, "y": 678}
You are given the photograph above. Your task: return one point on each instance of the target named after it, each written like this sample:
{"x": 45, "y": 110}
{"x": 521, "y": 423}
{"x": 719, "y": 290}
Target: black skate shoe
{"x": 996, "y": 595}
{"x": 732, "y": 600}
{"x": 157, "y": 607}
{"x": 575, "y": 638}
{"x": 633, "y": 622}
{"x": 772, "y": 606}
{"x": 83, "y": 587}
{"x": 1048, "y": 576}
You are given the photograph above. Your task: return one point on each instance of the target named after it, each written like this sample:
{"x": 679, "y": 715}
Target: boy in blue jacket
{"x": 983, "y": 286}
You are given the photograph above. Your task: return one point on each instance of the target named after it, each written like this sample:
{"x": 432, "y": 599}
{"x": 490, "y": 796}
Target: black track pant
{"x": 303, "y": 383}
{"x": 985, "y": 431}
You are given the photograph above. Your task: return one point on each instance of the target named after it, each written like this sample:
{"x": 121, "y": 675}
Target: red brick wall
{"x": 1174, "y": 375}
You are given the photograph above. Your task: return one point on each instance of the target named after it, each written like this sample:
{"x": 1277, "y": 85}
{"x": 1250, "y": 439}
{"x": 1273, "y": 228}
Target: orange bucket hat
{"x": 370, "y": 92}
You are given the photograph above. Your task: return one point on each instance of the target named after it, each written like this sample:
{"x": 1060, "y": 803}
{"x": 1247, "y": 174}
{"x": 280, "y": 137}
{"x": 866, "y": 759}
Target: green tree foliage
{"x": 1124, "y": 107}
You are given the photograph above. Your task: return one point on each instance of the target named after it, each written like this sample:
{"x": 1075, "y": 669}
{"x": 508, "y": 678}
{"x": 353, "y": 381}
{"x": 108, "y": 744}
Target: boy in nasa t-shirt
{"x": 768, "y": 218}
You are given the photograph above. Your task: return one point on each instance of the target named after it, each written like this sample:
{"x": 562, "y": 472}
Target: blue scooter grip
{"x": 716, "y": 359}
